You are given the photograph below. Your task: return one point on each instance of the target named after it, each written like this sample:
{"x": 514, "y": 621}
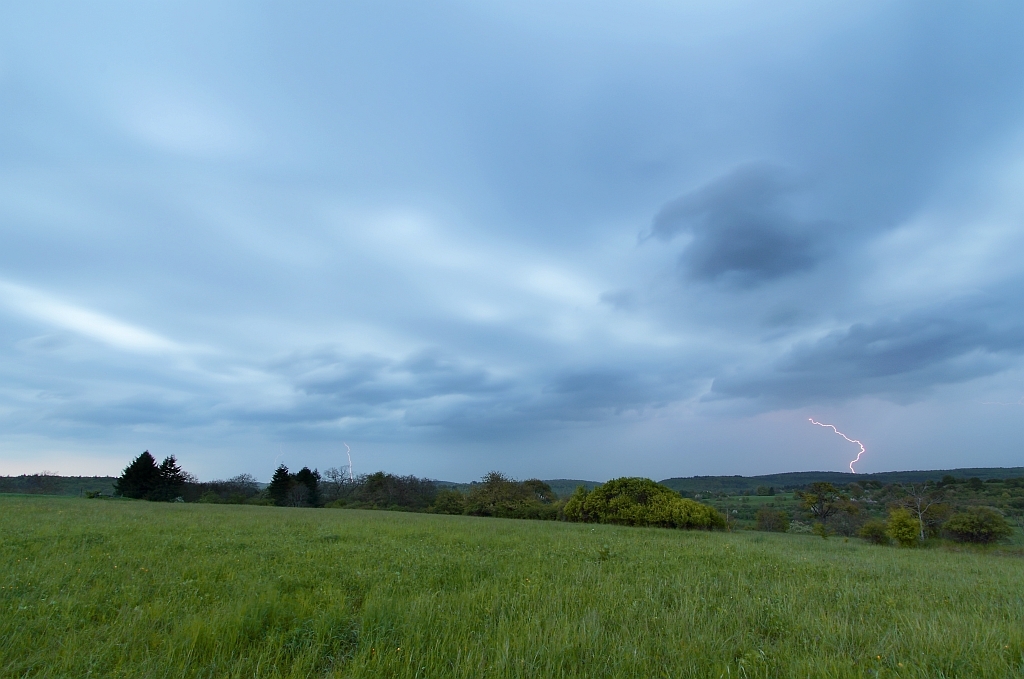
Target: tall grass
{"x": 111, "y": 589}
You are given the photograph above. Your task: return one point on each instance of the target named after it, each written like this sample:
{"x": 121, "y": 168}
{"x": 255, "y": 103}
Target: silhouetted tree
{"x": 311, "y": 481}
{"x": 171, "y": 483}
{"x": 279, "y": 486}
{"x": 140, "y": 478}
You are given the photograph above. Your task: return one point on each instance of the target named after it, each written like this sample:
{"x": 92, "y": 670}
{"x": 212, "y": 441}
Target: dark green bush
{"x": 874, "y": 531}
{"x": 501, "y": 496}
{"x": 449, "y": 502}
{"x": 772, "y": 520}
{"x": 978, "y": 524}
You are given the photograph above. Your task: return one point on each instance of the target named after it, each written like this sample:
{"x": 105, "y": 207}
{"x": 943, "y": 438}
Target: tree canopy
{"x": 143, "y": 479}
{"x": 634, "y": 501}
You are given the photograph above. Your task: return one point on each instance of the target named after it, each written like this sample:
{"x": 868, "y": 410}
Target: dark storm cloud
{"x": 744, "y": 231}
{"x": 446, "y": 196}
{"x": 896, "y": 358}
{"x": 375, "y": 380}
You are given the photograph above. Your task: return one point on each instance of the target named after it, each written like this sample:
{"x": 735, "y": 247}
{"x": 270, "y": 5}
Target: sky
{"x": 558, "y": 240}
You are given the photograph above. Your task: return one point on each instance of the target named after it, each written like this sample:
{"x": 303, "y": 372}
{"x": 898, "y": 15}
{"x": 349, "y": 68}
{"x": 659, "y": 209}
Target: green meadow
{"x": 110, "y": 588}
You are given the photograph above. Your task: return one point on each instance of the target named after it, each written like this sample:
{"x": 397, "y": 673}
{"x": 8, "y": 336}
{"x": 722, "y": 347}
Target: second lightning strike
{"x": 832, "y": 427}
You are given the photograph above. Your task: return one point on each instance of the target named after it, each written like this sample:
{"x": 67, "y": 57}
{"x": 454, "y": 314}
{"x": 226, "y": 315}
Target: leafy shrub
{"x": 874, "y": 531}
{"x": 501, "y": 496}
{"x": 635, "y": 501}
{"x": 978, "y": 524}
{"x": 903, "y": 527}
{"x": 450, "y": 502}
{"x": 821, "y": 530}
{"x": 772, "y": 520}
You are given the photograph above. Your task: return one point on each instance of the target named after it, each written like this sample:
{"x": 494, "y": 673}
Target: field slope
{"x": 136, "y": 589}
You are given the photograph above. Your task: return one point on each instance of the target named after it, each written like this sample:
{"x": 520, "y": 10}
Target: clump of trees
{"x": 772, "y": 520}
{"x": 918, "y": 512}
{"x": 301, "y": 489}
{"x": 907, "y": 514}
{"x": 978, "y": 524}
{"x": 379, "y": 490}
{"x": 635, "y": 501}
{"x": 146, "y": 480}
{"x": 240, "y": 489}
{"x": 504, "y": 497}
{"x": 831, "y": 509}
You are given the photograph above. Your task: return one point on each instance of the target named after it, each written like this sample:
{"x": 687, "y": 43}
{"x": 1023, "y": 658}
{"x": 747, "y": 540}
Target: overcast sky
{"x": 575, "y": 239}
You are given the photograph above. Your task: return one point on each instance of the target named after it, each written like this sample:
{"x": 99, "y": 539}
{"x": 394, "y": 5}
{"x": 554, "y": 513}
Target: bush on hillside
{"x": 874, "y": 531}
{"x": 500, "y": 496}
{"x": 903, "y": 527}
{"x": 449, "y": 502}
{"x": 978, "y": 524}
{"x": 635, "y": 501}
{"x": 772, "y": 520}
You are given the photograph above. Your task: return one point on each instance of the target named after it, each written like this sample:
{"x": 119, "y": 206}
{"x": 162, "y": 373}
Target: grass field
{"x": 138, "y": 589}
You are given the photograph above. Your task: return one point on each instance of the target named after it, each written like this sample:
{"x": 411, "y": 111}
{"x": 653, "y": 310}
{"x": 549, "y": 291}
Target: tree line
{"x": 625, "y": 501}
{"x": 914, "y": 513}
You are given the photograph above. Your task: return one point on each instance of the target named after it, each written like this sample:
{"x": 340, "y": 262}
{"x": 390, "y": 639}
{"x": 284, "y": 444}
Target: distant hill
{"x": 790, "y": 480}
{"x": 564, "y": 487}
{"x": 46, "y": 484}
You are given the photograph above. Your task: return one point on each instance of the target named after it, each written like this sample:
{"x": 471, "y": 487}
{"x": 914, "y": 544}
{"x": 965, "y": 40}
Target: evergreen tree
{"x": 311, "y": 480}
{"x": 172, "y": 481}
{"x": 140, "y": 478}
{"x": 279, "y": 486}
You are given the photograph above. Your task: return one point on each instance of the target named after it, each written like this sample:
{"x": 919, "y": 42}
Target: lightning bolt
{"x": 348, "y": 451}
{"x": 832, "y": 427}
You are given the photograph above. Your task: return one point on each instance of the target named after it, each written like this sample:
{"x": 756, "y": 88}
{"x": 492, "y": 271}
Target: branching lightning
{"x": 348, "y": 451}
{"x": 832, "y": 427}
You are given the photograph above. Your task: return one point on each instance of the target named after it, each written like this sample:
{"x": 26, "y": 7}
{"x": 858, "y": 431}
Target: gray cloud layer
{"x": 413, "y": 228}
{"x": 742, "y": 230}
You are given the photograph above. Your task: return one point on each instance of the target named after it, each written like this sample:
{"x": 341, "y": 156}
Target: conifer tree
{"x": 279, "y": 486}
{"x": 172, "y": 481}
{"x": 140, "y": 478}
{"x": 311, "y": 480}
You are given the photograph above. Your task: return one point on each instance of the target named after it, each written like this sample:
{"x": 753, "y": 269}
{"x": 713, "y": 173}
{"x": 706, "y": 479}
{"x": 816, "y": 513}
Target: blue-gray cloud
{"x": 414, "y": 226}
{"x": 898, "y": 358}
{"x": 744, "y": 233}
